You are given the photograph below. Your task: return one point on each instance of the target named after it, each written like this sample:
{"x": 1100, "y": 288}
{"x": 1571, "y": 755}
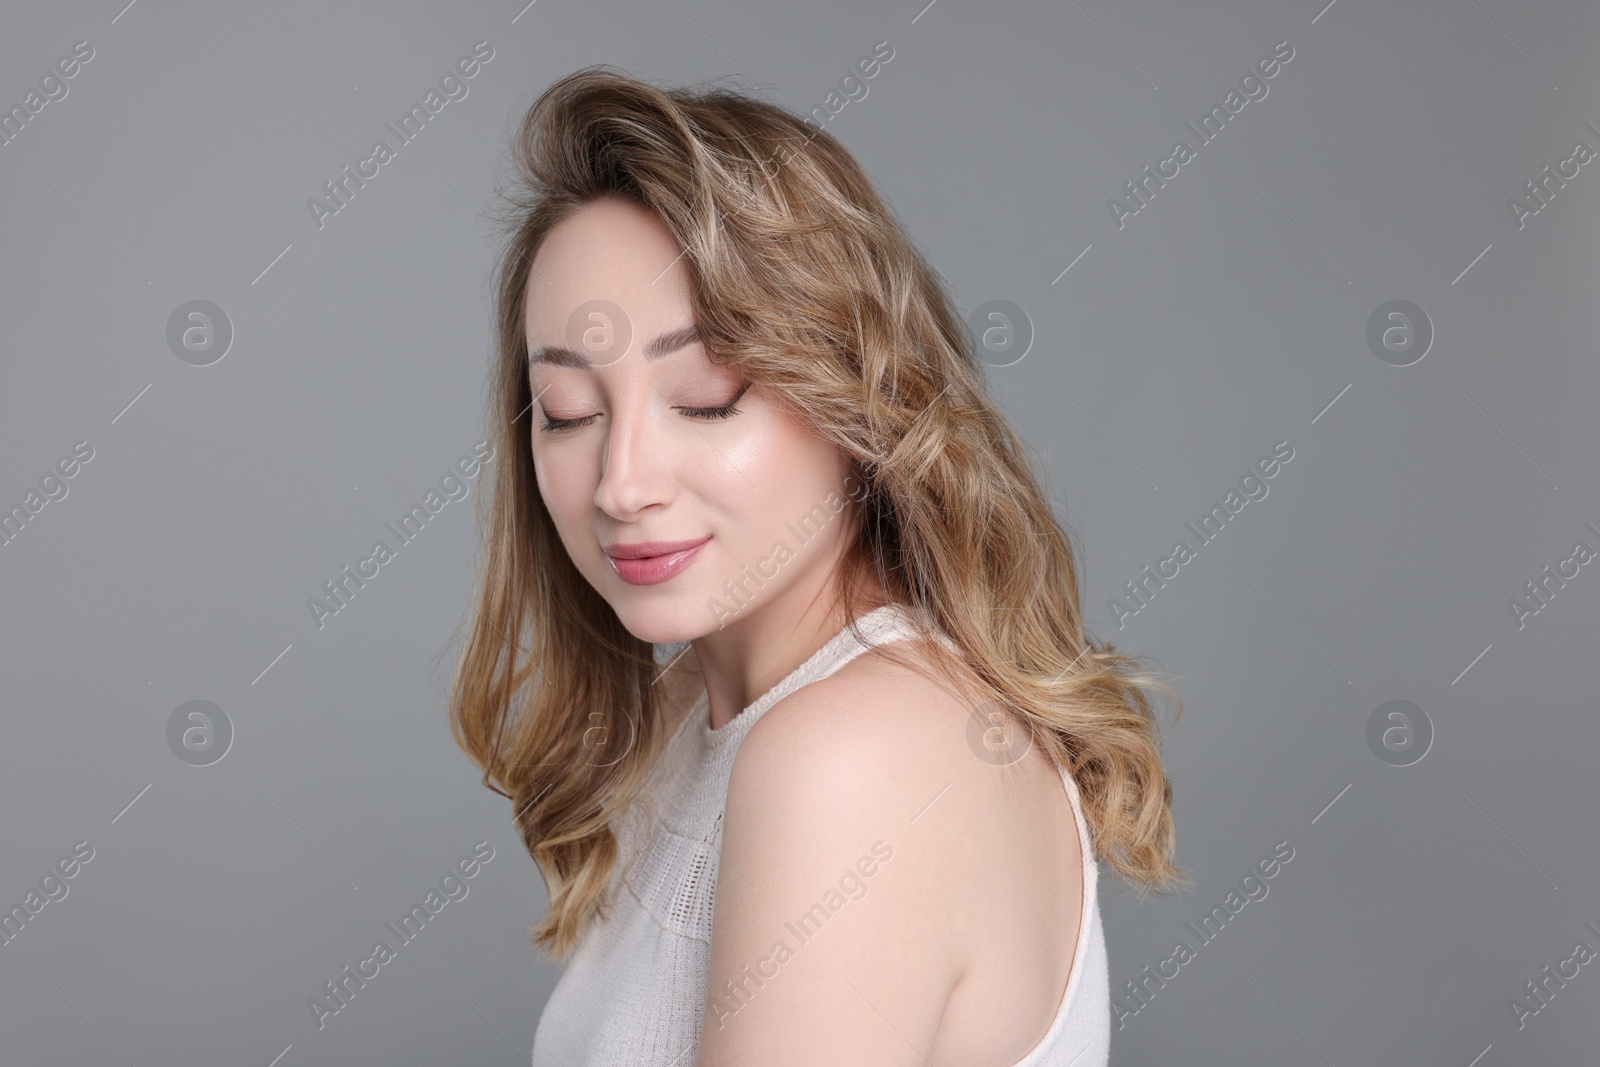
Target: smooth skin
{"x": 639, "y": 456}
{"x": 955, "y": 949}
{"x": 956, "y": 952}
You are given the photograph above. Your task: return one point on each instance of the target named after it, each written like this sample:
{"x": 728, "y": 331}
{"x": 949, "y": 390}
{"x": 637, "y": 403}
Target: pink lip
{"x": 646, "y": 549}
{"x": 652, "y": 562}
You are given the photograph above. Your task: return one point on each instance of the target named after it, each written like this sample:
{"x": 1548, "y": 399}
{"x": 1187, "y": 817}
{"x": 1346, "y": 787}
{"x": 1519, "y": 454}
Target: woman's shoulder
{"x": 907, "y": 722}
{"x": 872, "y": 714}
{"x": 891, "y": 745}
{"x": 973, "y": 911}
{"x": 835, "y": 841}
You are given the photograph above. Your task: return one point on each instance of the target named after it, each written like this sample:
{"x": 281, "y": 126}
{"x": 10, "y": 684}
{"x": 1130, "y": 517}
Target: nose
{"x": 635, "y": 469}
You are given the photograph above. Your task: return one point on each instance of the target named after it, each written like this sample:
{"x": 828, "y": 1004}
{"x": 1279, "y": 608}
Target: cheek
{"x": 754, "y": 467}
{"x": 561, "y": 486}
{"x": 570, "y": 503}
{"x": 539, "y": 477}
{"x": 782, "y": 471}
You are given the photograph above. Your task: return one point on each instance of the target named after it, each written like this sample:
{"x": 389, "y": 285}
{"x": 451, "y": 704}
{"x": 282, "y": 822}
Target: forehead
{"x": 610, "y": 252}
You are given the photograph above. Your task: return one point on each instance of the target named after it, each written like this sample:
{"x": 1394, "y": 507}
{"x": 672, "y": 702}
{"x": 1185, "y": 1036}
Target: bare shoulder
{"x": 887, "y": 734}
{"x": 962, "y": 934}
{"x": 896, "y": 726}
{"x": 879, "y": 721}
{"x": 830, "y": 909}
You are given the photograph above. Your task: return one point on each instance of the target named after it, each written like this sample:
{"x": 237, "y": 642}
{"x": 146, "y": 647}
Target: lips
{"x": 652, "y": 562}
{"x": 647, "y": 549}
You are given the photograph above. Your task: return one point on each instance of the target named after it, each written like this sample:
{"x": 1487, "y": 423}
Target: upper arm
{"x": 829, "y": 942}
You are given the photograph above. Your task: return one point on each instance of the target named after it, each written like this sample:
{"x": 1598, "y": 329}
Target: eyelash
{"x": 727, "y": 411}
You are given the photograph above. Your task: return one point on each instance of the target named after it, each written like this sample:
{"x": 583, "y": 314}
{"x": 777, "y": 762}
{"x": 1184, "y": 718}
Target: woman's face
{"x": 638, "y": 438}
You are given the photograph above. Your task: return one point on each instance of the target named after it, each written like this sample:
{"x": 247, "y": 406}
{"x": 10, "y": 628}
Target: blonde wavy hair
{"x": 801, "y": 278}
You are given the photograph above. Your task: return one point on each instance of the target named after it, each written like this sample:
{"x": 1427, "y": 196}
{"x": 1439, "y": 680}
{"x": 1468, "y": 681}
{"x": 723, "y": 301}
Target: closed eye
{"x": 726, "y": 411}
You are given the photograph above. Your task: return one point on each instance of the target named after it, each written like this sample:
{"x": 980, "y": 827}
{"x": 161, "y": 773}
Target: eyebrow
{"x": 663, "y": 346}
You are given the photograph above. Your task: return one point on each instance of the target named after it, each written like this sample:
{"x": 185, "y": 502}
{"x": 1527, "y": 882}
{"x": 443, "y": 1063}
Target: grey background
{"x": 1229, "y": 314}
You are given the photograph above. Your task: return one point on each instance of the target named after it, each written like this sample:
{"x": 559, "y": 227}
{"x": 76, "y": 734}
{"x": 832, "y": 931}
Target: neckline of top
{"x": 740, "y": 724}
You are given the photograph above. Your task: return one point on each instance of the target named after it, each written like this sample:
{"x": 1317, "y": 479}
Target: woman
{"x": 778, "y": 652}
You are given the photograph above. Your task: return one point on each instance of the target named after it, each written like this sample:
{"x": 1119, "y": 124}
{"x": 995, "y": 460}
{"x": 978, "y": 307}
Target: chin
{"x": 660, "y": 624}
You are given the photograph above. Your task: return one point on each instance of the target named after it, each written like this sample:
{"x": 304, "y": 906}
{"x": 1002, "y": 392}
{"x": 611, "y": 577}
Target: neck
{"x": 743, "y": 660}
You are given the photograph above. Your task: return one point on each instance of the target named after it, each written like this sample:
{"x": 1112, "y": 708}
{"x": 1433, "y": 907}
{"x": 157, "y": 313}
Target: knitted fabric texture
{"x": 633, "y": 993}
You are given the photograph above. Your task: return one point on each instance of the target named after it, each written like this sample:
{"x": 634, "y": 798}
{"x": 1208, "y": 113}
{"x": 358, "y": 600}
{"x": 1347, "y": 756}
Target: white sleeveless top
{"x": 633, "y": 993}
